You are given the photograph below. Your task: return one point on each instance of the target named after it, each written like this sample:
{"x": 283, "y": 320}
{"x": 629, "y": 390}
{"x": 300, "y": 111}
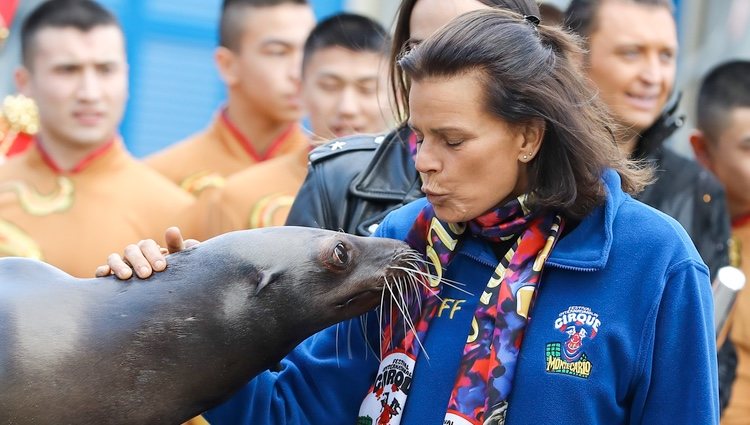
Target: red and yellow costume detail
{"x": 208, "y": 158}
{"x": 75, "y": 218}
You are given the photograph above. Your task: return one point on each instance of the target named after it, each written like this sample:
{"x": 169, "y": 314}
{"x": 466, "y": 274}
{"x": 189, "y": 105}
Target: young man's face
{"x": 267, "y": 65}
{"x": 343, "y": 92}
{"x": 728, "y": 157}
{"x": 632, "y": 60}
{"x": 79, "y": 82}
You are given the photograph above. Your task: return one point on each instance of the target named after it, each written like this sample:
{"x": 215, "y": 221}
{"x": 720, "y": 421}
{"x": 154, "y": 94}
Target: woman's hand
{"x": 145, "y": 257}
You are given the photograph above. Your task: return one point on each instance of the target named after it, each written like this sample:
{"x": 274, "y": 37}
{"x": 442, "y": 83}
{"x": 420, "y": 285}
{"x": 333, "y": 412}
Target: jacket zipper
{"x": 571, "y": 268}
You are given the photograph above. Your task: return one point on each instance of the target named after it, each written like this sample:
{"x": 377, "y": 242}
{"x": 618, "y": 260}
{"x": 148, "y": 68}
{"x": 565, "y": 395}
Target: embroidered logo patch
{"x": 580, "y": 325}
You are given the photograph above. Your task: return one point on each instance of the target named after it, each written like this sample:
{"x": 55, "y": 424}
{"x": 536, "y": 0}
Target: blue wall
{"x": 174, "y": 86}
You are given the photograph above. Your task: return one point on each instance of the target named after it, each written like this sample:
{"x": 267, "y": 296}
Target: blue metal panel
{"x": 205, "y": 12}
{"x": 174, "y": 86}
{"x": 177, "y": 91}
{"x": 324, "y": 8}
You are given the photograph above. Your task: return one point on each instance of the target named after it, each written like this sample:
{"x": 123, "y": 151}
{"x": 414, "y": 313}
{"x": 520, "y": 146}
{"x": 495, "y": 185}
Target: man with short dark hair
{"x": 344, "y": 87}
{"x": 77, "y": 175}
{"x": 258, "y": 59}
{"x": 722, "y": 144}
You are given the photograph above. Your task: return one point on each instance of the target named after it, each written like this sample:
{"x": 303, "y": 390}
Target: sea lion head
{"x": 319, "y": 277}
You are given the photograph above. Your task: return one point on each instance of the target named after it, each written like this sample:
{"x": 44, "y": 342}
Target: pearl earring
{"x": 525, "y": 157}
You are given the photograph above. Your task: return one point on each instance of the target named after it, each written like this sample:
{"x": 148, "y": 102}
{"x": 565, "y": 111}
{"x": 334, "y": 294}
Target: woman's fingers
{"x": 118, "y": 267}
{"x": 174, "y": 240}
{"x": 103, "y": 271}
{"x": 145, "y": 257}
{"x": 152, "y": 252}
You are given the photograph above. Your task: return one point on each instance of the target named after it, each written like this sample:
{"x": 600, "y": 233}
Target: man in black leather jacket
{"x": 631, "y": 58}
{"x": 353, "y": 182}
{"x": 631, "y": 48}
{"x": 686, "y": 191}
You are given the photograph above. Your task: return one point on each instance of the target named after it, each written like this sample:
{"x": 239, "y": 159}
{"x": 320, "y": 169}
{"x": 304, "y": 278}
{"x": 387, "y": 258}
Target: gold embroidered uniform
{"x": 74, "y": 219}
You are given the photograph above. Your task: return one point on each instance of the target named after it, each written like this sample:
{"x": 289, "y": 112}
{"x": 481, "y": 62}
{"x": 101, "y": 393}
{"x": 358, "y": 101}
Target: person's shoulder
{"x": 281, "y": 175}
{"x": 160, "y": 187}
{"x": 174, "y": 152}
{"x": 639, "y": 224}
{"x": 342, "y": 149}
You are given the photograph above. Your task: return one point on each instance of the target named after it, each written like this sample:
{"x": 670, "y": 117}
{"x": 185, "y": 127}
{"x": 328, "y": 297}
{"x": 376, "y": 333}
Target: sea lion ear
{"x": 265, "y": 278}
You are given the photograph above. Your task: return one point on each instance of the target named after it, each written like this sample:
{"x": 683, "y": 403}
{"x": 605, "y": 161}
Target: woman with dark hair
{"x": 528, "y": 214}
{"x": 353, "y": 183}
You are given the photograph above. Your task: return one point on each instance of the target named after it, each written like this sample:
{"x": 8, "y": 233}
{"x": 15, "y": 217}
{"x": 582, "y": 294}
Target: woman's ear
{"x": 532, "y": 134}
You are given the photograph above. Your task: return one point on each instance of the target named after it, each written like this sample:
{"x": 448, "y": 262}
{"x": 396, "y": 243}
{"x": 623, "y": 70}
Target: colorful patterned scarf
{"x": 485, "y": 376}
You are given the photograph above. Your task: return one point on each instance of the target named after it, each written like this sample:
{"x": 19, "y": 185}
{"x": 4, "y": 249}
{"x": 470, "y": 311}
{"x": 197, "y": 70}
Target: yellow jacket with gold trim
{"x": 208, "y": 158}
{"x": 73, "y": 220}
{"x": 260, "y": 196}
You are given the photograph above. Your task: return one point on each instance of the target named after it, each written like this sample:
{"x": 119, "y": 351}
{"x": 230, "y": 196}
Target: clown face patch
{"x": 578, "y": 325}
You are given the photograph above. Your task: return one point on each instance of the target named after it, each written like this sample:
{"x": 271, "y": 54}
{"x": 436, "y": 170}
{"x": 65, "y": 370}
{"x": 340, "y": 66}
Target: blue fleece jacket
{"x": 621, "y": 333}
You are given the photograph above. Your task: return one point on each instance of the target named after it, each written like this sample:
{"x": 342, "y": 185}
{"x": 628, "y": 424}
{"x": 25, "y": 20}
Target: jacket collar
{"x": 587, "y": 247}
{"x": 651, "y": 141}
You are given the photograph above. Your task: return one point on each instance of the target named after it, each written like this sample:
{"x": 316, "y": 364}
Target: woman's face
{"x": 470, "y": 161}
{"x": 429, "y": 15}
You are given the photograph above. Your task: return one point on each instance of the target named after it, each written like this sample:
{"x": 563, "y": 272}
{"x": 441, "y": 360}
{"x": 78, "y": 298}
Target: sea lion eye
{"x": 340, "y": 253}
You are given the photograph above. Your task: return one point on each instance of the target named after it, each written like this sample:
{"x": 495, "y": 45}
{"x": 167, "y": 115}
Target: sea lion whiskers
{"x": 447, "y": 282}
{"x": 395, "y": 279}
{"x": 415, "y": 257}
{"x": 408, "y": 321}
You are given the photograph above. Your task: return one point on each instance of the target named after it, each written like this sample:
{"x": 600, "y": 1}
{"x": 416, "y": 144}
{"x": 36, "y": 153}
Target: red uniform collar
{"x": 740, "y": 220}
{"x": 7, "y": 12}
{"x": 247, "y": 145}
{"x": 82, "y": 165}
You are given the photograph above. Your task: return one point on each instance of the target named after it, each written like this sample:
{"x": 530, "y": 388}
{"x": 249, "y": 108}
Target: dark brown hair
{"x": 350, "y": 31}
{"x": 231, "y": 23}
{"x": 402, "y": 40}
{"x": 528, "y": 75}
{"x": 83, "y": 15}
{"x": 580, "y": 16}
{"x": 725, "y": 88}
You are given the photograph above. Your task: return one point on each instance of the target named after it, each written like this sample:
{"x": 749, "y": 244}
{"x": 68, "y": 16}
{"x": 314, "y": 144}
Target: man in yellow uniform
{"x": 722, "y": 144}
{"x": 77, "y": 177}
{"x": 259, "y": 60}
{"x": 344, "y": 91}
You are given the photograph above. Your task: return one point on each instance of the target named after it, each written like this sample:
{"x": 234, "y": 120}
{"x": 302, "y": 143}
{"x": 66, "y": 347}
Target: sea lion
{"x": 162, "y": 350}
